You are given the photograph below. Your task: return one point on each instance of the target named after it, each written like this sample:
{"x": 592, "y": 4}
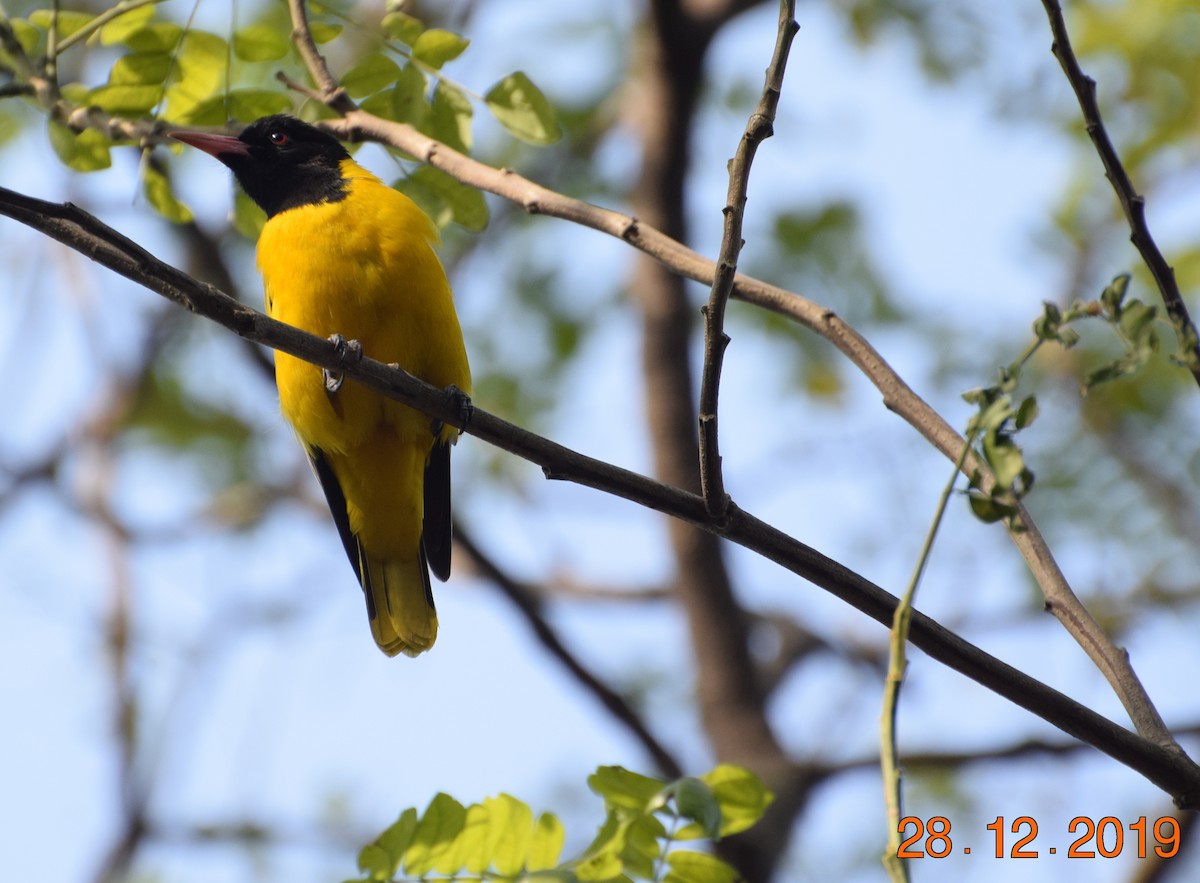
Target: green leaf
{"x": 395, "y": 841}
{"x": 685, "y": 866}
{"x": 546, "y": 843}
{"x": 85, "y": 152}
{"x": 475, "y": 849}
{"x": 201, "y": 60}
{"x": 403, "y": 27}
{"x": 1112, "y": 296}
{"x": 601, "y": 860}
{"x": 641, "y": 850}
{"x": 140, "y": 68}
{"x": 375, "y": 861}
{"x": 1027, "y": 412}
{"x": 509, "y": 832}
{"x": 125, "y": 100}
{"x": 408, "y": 96}
{"x": 68, "y": 23}
{"x": 449, "y": 118}
{"x": 323, "y": 33}
{"x": 988, "y": 509}
{"x": 621, "y": 788}
{"x": 260, "y": 42}
{"x": 435, "y": 835}
{"x": 741, "y": 795}
{"x": 523, "y": 110}
{"x": 248, "y": 218}
{"x": 435, "y": 47}
{"x": 157, "y": 190}
{"x": 30, "y": 38}
{"x": 695, "y": 800}
{"x": 157, "y": 37}
{"x": 374, "y": 72}
{"x": 444, "y": 199}
{"x": 119, "y": 29}
{"x": 248, "y": 105}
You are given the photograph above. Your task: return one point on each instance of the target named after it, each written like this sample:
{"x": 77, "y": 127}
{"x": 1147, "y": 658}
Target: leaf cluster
{"x": 499, "y": 839}
{"x": 999, "y": 416}
{"x": 184, "y": 76}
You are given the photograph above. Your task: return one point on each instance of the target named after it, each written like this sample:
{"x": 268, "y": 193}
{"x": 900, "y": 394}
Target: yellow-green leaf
{"x": 475, "y": 855}
{"x": 68, "y": 22}
{"x": 140, "y": 68}
{"x": 259, "y": 42}
{"x": 403, "y": 27}
{"x": 450, "y": 117}
{"x": 408, "y": 96}
{"x": 248, "y": 105}
{"x": 373, "y": 73}
{"x": 444, "y": 199}
{"x": 85, "y": 152}
{"x": 435, "y": 835}
{"x": 742, "y": 796}
{"x": 119, "y": 29}
{"x": 509, "y": 832}
{"x": 620, "y": 787}
{"x": 125, "y": 100}
{"x": 157, "y": 37}
{"x": 697, "y": 867}
{"x": 545, "y": 846}
{"x": 436, "y": 46}
{"x": 30, "y": 38}
{"x": 248, "y": 218}
{"x": 323, "y": 32}
{"x": 523, "y": 110}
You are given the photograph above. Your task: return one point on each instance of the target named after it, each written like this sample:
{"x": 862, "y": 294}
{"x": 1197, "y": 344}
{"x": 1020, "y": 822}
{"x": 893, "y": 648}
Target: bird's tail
{"x": 399, "y": 604}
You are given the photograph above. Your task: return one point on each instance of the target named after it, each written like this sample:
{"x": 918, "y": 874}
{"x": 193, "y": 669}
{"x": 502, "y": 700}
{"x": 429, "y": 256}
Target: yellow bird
{"x": 343, "y": 255}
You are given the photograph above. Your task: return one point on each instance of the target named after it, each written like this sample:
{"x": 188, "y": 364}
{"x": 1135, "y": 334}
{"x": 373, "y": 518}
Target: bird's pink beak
{"x": 214, "y": 145}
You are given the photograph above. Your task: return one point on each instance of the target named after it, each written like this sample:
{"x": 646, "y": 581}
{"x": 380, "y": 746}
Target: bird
{"x": 344, "y": 256}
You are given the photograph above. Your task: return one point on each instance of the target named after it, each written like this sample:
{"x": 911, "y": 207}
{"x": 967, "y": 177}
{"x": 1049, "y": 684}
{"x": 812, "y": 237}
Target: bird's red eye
{"x": 278, "y": 138}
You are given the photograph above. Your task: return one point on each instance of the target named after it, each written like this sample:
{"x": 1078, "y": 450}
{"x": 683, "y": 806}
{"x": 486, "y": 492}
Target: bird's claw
{"x": 349, "y": 352}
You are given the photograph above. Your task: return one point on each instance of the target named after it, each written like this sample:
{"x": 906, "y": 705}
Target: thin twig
{"x": 759, "y": 127}
{"x": 529, "y": 607}
{"x": 1132, "y": 202}
{"x": 1171, "y": 770}
{"x": 889, "y": 763}
{"x": 330, "y": 92}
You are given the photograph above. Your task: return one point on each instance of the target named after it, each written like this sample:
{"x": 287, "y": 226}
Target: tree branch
{"x": 529, "y": 606}
{"x": 1170, "y": 770}
{"x": 1132, "y": 202}
{"x": 758, "y": 128}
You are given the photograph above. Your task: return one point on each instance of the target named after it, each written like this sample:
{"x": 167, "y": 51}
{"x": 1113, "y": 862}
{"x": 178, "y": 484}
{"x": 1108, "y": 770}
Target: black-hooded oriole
{"x": 344, "y": 254}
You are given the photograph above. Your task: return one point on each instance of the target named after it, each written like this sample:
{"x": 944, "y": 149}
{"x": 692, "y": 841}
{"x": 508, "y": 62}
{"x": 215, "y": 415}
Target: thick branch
{"x": 1170, "y": 770}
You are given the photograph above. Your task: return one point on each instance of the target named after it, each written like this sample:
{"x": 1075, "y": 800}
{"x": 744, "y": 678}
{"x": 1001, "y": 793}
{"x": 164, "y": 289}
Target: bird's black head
{"x": 280, "y": 162}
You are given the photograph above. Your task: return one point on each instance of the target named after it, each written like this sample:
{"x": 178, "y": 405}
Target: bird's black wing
{"x": 436, "y": 531}
{"x": 337, "y": 507}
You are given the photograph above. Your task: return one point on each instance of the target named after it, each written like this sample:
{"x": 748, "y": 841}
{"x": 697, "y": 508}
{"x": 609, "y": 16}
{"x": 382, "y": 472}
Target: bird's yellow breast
{"x": 363, "y": 267}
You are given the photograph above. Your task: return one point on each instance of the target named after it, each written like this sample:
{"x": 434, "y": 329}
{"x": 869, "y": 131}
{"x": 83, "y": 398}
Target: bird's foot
{"x": 462, "y": 406}
{"x": 349, "y": 352}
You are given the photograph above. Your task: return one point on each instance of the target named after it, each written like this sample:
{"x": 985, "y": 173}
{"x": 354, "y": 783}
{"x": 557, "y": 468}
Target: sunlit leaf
{"x": 449, "y": 118}
{"x": 403, "y": 27}
{"x": 523, "y": 110}
{"x": 621, "y": 787}
{"x": 509, "y": 833}
{"x": 546, "y": 843}
{"x": 157, "y": 190}
{"x": 122, "y": 100}
{"x": 435, "y": 47}
{"x": 260, "y": 42}
{"x": 685, "y": 866}
{"x": 68, "y": 21}
{"x": 247, "y": 105}
{"x": 376, "y": 71}
{"x": 157, "y": 37}
{"x": 323, "y": 32}
{"x": 83, "y": 152}
{"x": 119, "y": 29}
{"x": 434, "y": 835}
{"x": 140, "y": 68}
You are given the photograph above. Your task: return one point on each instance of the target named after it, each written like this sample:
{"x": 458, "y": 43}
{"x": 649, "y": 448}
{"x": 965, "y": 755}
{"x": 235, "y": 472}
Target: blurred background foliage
{"x": 160, "y": 527}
